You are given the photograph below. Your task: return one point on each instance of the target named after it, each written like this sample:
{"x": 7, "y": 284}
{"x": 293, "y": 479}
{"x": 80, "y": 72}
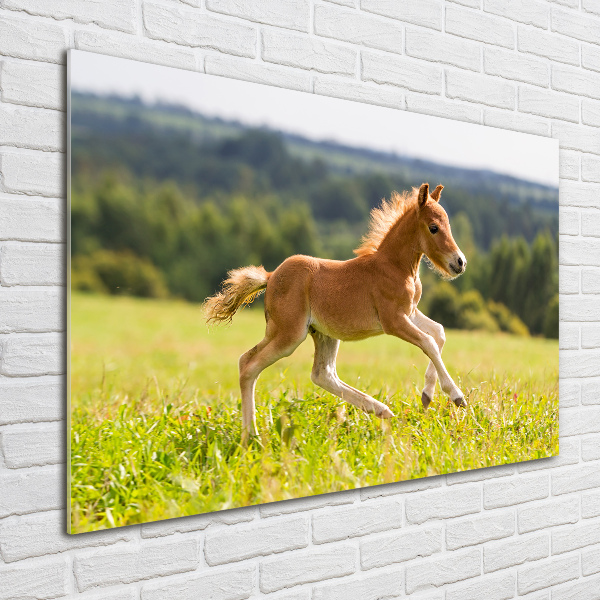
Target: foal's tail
{"x": 241, "y": 287}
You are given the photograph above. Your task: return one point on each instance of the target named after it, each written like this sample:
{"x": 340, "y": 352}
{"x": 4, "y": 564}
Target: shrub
{"x": 507, "y": 321}
{"x": 444, "y": 305}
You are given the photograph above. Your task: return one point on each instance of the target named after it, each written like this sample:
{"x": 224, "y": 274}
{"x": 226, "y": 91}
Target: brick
{"x": 572, "y": 538}
{"x": 590, "y": 562}
{"x": 509, "y": 119}
{"x": 307, "y": 53}
{"x": 35, "y": 173}
{"x": 402, "y": 72}
{"x": 379, "y": 551}
{"x": 569, "y": 282}
{"x": 568, "y": 336}
{"x": 135, "y": 48}
{"x": 577, "y": 137}
{"x": 590, "y": 168}
{"x": 590, "y": 284}
{"x": 516, "y": 551}
{"x": 590, "y": 57}
{"x": 121, "y": 594}
{"x": 376, "y": 586}
{"x": 197, "y": 522}
{"x": 196, "y": 29}
{"x": 291, "y": 14}
{"x": 569, "y": 455}
{"x": 125, "y": 565}
{"x": 590, "y": 392}
{"x": 517, "y": 490}
{"x": 27, "y": 446}
{"x": 28, "y": 355}
{"x": 307, "y": 567}
{"x": 579, "y": 421}
{"x": 33, "y": 84}
{"x": 238, "y": 68}
{"x": 548, "y": 104}
{"x": 569, "y": 169}
{"x": 216, "y": 584}
{"x": 358, "y": 28}
{"x": 30, "y": 490}
{"x": 575, "y": 81}
{"x": 42, "y": 534}
{"x": 571, "y": 3}
{"x": 547, "y": 45}
{"x": 590, "y": 505}
{"x": 579, "y": 363}
{"x": 592, "y": 6}
{"x": 436, "y": 572}
{"x": 441, "y": 107}
{"x": 31, "y": 219}
{"x": 271, "y": 537}
{"x": 590, "y": 336}
{"x": 443, "y": 504}
{"x": 480, "y": 27}
{"x": 568, "y": 222}
{"x": 401, "y": 487}
{"x": 368, "y": 517}
{"x": 511, "y": 65}
{"x": 491, "y": 588}
{"x": 27, "y": 401}
{"x": 578, "y": 194}
{"x": 45, "y": 41}
{"x": 32, "y": 264}
{"x": 35, "y": 128}
{"x": 576, "y": 25}
{"x": 575, "y": 480}
{"x": 112, "y": 14}
{"x": 590, "y": 113}
{"x": 287, "y": 507}
{"x": 480, "y": 89}
{"x": 38, "y": 579}
{"x": 480, "y": 474}
{"x": 578, "y": 590}
{"x": 350, "y": 3}
{"x": 427, "y": 13}
{"x": 548, "y": 514}
{"x": 529, "y": 12}
{"x": 358, "y": 92}
{"x": 437, "y": 47}
{"x": 543, "y": 575}
{"x": 31, "y": 311}
{"x": 472, "y": 531}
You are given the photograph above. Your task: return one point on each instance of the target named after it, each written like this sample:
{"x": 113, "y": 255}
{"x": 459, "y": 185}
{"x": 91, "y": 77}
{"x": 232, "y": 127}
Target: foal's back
{"x": 334, "y": 297}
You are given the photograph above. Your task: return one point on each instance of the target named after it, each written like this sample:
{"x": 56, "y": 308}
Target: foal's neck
{"x": 401, "y": 247}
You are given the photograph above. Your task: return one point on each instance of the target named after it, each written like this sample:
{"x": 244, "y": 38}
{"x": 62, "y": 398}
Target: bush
{"x": 118, "y": 273}
{"x": 444, "y": 305}
{"x": 551, "y": 321}
{"x": 506, "y": 320}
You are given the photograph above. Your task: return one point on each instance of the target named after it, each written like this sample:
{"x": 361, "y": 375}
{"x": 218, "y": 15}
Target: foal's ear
{"x": 423, "y": 194}
{"x": 436, "y": 193}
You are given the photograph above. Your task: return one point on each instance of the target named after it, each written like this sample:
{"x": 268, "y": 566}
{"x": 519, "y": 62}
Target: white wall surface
{"x": 529, "y": 530}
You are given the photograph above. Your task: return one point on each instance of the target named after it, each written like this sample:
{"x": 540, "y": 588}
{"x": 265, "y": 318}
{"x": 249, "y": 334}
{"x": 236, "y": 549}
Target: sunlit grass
{"x": 156, "y": 423}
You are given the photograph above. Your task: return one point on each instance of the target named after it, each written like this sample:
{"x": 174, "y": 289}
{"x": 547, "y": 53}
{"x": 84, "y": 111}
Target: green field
{"x": 155, "y": 416}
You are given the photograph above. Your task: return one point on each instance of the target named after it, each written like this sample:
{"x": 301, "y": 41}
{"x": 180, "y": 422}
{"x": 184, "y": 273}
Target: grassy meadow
{"x": 155, "y": 413}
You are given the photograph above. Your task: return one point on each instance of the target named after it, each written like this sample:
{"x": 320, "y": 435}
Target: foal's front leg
{"x": 436, "y": 331}
{"x": 405, "y": 329}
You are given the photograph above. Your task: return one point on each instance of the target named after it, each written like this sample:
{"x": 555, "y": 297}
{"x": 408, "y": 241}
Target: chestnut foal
{"x": 376, "y": 292}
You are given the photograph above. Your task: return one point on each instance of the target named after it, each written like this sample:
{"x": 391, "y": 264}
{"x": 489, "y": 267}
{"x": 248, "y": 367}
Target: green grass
{"x": 155, "y": 419}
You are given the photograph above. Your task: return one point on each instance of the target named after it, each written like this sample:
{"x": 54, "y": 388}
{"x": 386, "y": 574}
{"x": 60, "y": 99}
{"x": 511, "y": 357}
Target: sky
{"x": 530, "y": 157}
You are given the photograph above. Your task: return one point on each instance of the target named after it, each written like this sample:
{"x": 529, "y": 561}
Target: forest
{"x": 164, "y": 201}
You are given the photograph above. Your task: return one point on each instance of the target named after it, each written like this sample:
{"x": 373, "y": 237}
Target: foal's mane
{"x": 383, "y": 218}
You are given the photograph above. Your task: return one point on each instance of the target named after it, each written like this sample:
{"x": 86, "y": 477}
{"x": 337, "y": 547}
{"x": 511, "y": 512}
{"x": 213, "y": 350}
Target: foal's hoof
{"x": 460, "y": 402}
{"x": 425, "y": 399}
{"x": 385, "y": 413}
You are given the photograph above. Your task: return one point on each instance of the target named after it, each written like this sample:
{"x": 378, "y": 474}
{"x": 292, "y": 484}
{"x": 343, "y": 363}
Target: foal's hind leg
{"x": 436, "y": 331}
{"x": 275, "y": 345}
{"x": 324, "y": 375}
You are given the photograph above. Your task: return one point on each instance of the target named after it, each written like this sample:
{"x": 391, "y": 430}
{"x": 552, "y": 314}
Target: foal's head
{"x": 434, "y": 234}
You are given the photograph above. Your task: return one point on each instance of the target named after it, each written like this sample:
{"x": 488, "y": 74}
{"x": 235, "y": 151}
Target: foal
{"x": 377, "y": 292}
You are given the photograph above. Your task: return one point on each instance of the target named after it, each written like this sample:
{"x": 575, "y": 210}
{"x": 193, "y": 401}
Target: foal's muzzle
{"x": 458, "y": 264}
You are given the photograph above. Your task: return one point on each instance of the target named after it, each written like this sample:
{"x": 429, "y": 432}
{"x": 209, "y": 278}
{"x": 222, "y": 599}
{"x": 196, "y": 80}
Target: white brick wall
{"x": 531, "y": 530}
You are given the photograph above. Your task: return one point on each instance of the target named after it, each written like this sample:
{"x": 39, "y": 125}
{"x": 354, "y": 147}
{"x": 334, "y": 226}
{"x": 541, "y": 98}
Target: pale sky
{"x": 455, "y": 143}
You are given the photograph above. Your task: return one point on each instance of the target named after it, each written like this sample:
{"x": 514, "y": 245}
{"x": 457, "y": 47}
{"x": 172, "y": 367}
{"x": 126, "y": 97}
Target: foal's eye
{"x": 433, "y": 228}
